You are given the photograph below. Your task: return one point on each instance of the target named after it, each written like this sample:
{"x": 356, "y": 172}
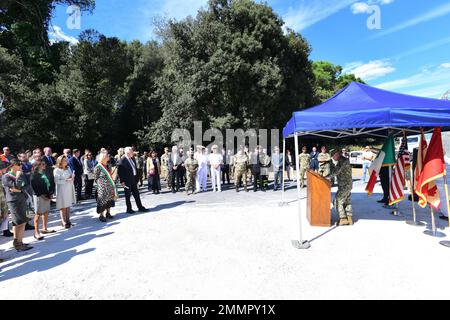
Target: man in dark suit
{"x": 314, "y": 159}
{"x": 76, "y": 166}
{"x": 175, "y": 169}
{"x": 385, "y": 183}
{"x": 50, "y": 162}
{"x": 128, "y": 175}
{"x": 255, "y": 161}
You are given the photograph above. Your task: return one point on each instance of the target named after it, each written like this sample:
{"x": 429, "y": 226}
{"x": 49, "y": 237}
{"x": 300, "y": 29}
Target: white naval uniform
{"x": 202, "y": 172}
{"x": 216, "y": 159}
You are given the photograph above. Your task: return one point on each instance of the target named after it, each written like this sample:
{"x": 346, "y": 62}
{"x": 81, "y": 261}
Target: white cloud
{"x": 369, "y": 71}
{"x": 431, "y": 83}
{"x": 57, "y": 35}
{"x": 434, "y": 91}
{"x": 360, "y": 7}
{"x": 364, "y": 7}
{"x": 423, "y": 48}
{"x": 430, "y": 15}
{"x": 309, "y": 12}
{"x": 445, "y": 65}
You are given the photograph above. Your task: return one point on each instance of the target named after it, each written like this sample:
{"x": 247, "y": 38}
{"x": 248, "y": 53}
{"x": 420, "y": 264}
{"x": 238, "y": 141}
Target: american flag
{"x": 398, "y": 179}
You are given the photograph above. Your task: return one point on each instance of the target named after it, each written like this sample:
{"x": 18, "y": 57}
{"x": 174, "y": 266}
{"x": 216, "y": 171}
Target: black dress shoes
{"x": 8, "y": 234}
{"x": 143, "y": 210}
{"x": 131, "y": 211}
{"x": 382, "y": 201}
{"x": 29, "y": 227}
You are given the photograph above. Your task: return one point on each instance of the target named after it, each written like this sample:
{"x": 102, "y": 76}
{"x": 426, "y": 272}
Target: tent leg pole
{"x": 414, "y": 221}
{"x": 433, "y": 232}
{"x": 283, "y": 202}
{"x": 301, "y": 244}
{"x": 446, "y": 243}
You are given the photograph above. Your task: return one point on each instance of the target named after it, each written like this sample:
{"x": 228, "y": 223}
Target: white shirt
{"x": 367, "y": 155}
{"x": 174, "y": 158}
{"x": 202, "y": 161}
{"x": 132, "y": 166}
{"x": 215, "y": 159}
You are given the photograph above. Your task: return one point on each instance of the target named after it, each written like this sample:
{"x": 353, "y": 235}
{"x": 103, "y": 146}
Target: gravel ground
{"x": 229, "y": 246}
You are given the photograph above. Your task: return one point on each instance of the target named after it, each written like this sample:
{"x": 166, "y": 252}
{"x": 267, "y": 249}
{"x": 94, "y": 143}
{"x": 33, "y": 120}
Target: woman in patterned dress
{"x": 106, "y": 187}
{"x": 14, "y": 183}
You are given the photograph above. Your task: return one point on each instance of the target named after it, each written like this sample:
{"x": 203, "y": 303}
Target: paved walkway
{"x": 228, "y": 246}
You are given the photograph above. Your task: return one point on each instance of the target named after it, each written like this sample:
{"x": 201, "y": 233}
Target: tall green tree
{"x": 329, "y": 80}
{"x": 24, "y": 28}
{"x": 231, "y": 65}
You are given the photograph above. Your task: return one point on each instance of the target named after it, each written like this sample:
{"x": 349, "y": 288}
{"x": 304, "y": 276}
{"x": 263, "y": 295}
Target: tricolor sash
{"x": 110, "y": 179}
{"x": 11, "y": 175}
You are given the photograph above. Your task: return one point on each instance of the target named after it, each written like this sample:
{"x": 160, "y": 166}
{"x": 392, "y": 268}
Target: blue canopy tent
{"x": 361, "y": 110}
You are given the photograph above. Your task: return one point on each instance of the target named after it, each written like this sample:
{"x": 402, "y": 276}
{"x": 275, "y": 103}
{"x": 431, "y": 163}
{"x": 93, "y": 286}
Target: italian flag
{"x": 385, "y": 158}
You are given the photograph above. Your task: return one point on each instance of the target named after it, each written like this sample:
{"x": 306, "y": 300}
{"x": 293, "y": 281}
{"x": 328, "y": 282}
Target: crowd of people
{"x": 32, "y": 180}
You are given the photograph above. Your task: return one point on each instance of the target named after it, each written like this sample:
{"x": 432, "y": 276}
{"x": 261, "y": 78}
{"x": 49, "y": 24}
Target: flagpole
{"x": 414, "y": 222}
{"x": 299, "y": 244}
{"x": 395, "y": 211}
{"x": 433, "y": 232}
{"x": 446, "y": 197}
{"x": 446, "y": 243}
{"x": 283, "y": 202}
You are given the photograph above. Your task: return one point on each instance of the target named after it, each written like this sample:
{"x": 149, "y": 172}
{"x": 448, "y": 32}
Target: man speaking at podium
{"x": 342, "y": 170}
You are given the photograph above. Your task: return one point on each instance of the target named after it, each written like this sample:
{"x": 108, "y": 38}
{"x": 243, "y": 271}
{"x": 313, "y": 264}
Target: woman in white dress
{"x": 65, "y": 190}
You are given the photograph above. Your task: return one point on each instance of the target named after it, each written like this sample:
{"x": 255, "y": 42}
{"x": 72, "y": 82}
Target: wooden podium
{"x": 319, "y": 200}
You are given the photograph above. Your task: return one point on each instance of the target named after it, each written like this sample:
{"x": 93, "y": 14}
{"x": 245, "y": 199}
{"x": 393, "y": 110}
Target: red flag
{"x": 423, "y": 147}
{"x": 398, "y": 179}
{"x": 433, "y": 169}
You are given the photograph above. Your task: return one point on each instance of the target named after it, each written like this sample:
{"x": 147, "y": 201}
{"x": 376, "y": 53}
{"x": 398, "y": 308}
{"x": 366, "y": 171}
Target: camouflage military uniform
{"x": 3, "y": 206}
{"x": 324, "y": 167}
{"x": 343, "y": 172}
{"x": 249, "y": 168}
{"x": 240, "y": 170}
{"x": 165, "y": 166}
{"x": 191, "y": 166}
{"x": 265, "y": 166}
{"x": 305, "y": 162}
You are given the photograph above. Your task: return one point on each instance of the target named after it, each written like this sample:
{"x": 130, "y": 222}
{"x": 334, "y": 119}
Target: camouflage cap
{"x": 334, "y": 151}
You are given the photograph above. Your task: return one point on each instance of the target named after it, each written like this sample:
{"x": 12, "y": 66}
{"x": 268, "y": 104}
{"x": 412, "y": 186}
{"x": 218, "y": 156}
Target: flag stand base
{"x": 445, "y": 243}
{"x": 436, "y": 234}
{"x": 397, "y": 213}
{"x": 301, "y": 245}
{"x": 415, "y": 223}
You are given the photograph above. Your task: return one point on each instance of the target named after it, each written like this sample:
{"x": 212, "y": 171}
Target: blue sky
{"x": 410, "y": 53}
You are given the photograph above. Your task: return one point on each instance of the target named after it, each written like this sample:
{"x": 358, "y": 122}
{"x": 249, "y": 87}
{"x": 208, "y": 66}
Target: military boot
{"x": 350, "y": 220}
{"x": 343, "y": 222}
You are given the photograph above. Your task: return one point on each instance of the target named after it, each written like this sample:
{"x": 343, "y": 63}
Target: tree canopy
{"x": 231, "y": 66}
